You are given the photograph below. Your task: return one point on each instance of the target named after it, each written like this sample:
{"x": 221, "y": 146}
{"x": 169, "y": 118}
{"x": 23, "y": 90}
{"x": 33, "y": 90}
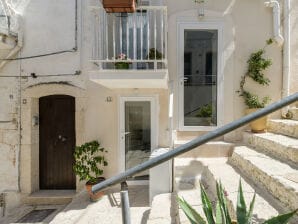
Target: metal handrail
{"x": 194, "y": 143}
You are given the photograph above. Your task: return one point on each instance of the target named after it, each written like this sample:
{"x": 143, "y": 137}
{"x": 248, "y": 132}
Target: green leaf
{"x": 281, "y": 219}
{"x": 207, "y": 207}
{"x": 251, "y": 208}
{"x": 192, "y": 215}
{"x": 220, "y": 214}
{"x": 241, "y": 206}
{"x": 222, "y": 200}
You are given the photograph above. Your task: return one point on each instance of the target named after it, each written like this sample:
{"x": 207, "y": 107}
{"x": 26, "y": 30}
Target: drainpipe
{"x": 286, "y": 42}
{"x": 276, "y": 21}
{"x": 286, "y": 55}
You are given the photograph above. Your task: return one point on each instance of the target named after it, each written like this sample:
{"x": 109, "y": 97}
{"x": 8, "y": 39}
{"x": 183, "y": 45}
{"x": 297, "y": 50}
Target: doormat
{"x": 36, "y": 216}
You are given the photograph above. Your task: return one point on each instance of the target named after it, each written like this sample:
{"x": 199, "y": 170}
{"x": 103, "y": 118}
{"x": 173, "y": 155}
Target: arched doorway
{"x": 56, "y": 142}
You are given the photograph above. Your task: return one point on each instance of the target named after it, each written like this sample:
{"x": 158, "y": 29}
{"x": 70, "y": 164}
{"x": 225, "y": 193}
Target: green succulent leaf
{"x": 192, "y": 215}
{"x": 241, "y": 206}
{"x": 207, "y": 207}
{"x": 281, "y": 219}
{"x": 251, "y": 208}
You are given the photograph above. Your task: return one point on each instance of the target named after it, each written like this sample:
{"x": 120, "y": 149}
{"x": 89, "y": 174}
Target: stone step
{"x": 162, "y": 209}
{"x": 208, "y": 150}
{"x": 278, "y": 146}
{"x": 294, "y": 113}
{"x": 188, "y": 167}
{"x": 229, "y": 178}
{"x": 188, "y": 173}
{"x": 278, "y": 178}
{"x": 49, "y": 197}
{"x": 107, "y": 210}
{"x": 284, "y": 127}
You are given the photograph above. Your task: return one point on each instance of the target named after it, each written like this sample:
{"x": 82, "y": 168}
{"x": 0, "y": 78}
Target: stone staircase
{"x": 267, "y": 164}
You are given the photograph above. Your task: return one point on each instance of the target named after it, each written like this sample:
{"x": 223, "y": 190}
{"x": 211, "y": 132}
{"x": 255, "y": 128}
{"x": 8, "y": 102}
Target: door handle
{"x": 123, "y": 134}
{"x": 62, "y": 138}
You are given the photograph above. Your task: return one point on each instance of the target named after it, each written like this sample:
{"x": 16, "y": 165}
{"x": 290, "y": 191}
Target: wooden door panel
{"x": 57, "y": 142}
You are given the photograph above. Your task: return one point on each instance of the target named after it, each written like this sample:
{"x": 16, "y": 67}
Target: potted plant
{"x": 124, "y": 64}
{"x": 118, "y": 6}
{"x": 153, "y": 54}
{"x": 206, "y": 113}
{"x": 257, "y": 64}
{"x": 88, "y": 166}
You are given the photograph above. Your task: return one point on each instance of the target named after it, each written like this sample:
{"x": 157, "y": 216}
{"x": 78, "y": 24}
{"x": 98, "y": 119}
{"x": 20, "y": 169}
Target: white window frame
{"x": 214, "y": 25}
{"x": 154, "y": 128}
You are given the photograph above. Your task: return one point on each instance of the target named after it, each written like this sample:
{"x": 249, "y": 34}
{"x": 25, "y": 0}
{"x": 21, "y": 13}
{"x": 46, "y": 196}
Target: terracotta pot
{"x": 98, "y": 195}
{"x": 117, "y": 6}
{"x": 259, "y": 125}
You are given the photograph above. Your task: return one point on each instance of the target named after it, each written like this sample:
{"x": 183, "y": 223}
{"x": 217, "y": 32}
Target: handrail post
{"x": 125, "y": 203}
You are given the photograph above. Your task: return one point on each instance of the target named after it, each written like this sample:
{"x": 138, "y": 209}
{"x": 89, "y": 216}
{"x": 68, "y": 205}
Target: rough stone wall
{"x": 9, "y": 134}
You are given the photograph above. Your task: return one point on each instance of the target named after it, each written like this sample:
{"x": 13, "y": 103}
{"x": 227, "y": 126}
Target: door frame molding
{"x": 204, "y": 25}
{"x": 29, "y": 159}
{"x": 153, "y": 99}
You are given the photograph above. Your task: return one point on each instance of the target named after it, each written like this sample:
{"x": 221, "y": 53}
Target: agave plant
{"x": 221, "y": 215}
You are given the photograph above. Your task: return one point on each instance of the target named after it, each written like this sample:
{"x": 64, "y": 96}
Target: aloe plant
{"x": 220, "y": 215}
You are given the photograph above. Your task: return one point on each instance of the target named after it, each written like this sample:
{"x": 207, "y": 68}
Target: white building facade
{"x": 63, "y": 81}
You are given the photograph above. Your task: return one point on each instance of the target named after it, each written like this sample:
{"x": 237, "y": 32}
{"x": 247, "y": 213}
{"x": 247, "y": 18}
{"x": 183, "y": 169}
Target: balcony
{"x": 129, "y": 50}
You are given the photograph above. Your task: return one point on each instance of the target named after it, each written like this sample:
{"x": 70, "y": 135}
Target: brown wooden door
{"x": 56, "y": 142}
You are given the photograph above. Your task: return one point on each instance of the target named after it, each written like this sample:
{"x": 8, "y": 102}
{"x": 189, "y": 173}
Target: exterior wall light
{"x": 201, "y": 10}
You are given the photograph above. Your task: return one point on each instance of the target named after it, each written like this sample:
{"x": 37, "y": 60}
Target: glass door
{"x": 200, "y": 77}
{"x": 137, "y": 127}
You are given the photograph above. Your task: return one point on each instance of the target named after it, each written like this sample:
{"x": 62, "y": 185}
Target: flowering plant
{"x": 122, "y": 65}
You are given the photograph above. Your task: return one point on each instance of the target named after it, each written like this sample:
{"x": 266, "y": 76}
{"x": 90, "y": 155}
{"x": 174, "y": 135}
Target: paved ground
{"x": 81, "y": 210}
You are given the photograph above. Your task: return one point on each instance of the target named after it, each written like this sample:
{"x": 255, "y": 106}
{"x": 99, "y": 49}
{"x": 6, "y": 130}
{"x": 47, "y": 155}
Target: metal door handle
{"x": 62, "y": 138}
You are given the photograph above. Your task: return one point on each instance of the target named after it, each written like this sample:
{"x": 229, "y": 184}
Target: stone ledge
{"x": 230, "y": 181}
{"x": 283, "y": 126}
{"x": 270, "y": 174}
{"x": 281, "y": 147}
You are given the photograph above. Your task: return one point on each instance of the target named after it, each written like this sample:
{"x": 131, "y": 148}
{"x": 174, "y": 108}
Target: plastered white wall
{"x": 49, "y": 26}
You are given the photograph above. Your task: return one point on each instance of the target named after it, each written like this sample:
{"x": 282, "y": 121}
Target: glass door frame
{"x": 154, "y": 128}
{"x": 189, "y": 25}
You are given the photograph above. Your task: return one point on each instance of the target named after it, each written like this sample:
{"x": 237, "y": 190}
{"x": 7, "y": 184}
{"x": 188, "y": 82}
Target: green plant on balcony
{"x": 221, "y": 215}
{"x": 122, "y": 65}
{"x": 154, "y": 54}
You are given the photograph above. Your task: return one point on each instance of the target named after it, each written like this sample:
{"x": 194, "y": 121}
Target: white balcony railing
{"x": 136, "y": 41}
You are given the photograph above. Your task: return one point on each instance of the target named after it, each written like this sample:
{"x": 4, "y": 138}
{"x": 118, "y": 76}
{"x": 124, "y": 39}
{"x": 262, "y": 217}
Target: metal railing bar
{"x": 125, "y": 208}
{"x": 194, "y": 143}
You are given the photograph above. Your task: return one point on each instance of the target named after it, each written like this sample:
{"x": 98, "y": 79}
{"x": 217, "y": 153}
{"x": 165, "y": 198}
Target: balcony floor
{"x": 116, "y": 79}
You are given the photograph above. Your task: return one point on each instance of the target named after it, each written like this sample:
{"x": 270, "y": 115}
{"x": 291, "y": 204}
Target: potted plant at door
{"x": 118, "y": 6}
{"x": 257, "y": 64}
{"x": 89, "y": 163}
